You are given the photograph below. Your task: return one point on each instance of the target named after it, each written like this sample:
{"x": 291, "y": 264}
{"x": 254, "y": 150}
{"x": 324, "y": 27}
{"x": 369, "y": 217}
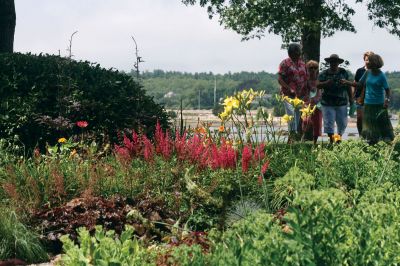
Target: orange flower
{"x": 336, "y": 138}
{"x": 201, "y": 130}
{"x": 221, "y": 129}
{"x": 73, "y": 152}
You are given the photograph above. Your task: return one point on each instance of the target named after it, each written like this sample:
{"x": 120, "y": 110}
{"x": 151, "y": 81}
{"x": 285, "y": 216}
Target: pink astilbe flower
{"x": 130, "y": 146}
{"x": 246, "y": 158}
{"x": 204, "y": 161}
{"x": 180, "y": 146}
{"x": 259, "y": 153}
{"x": 167, "y": 147}
{"x": 195, "y": 149}
{"x": 214, "y": 153}
{"x": 159, "y": 138}
{"x": 227, "y": 156}
{"x": 122, "y": 153}
{"x": 264, "y": 169}
{"x": 148, "y": 149}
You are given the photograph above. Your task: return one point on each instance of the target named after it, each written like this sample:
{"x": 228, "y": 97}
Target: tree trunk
{"x": 7, "y": 26}
{"x": 311, "y": 32}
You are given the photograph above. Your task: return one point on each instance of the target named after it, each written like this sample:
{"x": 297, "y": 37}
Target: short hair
{"x": 294, "y": 47}
{"x": 375, "y": 61}
{"x": 312, "y": 63}
{"x": 367, "y": 54}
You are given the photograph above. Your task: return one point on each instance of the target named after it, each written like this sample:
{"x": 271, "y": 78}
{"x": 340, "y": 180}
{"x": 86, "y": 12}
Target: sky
{"x": 173, "y": 37}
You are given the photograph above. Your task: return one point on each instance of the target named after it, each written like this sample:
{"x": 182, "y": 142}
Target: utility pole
{"x": 199, "y": 98}
{"x": 215, "y": 91}
{"x": 138, "y": 59}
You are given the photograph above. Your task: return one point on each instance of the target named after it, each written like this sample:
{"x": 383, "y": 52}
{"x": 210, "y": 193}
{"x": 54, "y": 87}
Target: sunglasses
{"x": 313, "y": 68}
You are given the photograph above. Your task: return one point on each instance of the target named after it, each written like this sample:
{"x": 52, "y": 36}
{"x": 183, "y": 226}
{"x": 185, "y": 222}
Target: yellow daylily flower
{"x": 225, "y": 114}
{"x": 307, "y": 111}
{"x": 297, "y": 102}
{"x": 231, "y": 102}
{"x": 287, "y": 118}
{"x": 270, "y": 118}
{"x": 62, "y": 140}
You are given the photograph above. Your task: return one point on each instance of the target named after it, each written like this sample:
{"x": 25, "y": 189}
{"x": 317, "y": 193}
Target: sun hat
{"x": 334, "y": 57}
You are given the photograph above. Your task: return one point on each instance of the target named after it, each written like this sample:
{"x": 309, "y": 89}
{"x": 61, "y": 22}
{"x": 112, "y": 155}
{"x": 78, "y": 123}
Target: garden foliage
{"x": 17, "y": 240}
{"x": 43, "y": 96}
{"x": 104, "y": 249}
{"x": 272, "y": 204}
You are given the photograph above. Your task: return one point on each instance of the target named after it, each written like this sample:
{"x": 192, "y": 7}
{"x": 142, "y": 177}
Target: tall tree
{"x": 305, "y": 21}
{"x": 7, "y": 26}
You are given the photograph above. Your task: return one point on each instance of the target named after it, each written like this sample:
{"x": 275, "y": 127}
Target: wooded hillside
{"x": 168, "y": 87}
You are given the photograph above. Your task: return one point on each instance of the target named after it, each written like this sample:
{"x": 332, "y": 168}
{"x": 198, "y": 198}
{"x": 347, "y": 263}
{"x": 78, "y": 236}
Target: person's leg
{"x": 360, "y": 112}
{"x": 316, "y": 125}
{"x": 292, "y": 125}
{"x": 329, "y": 117}
{"x": 289, "y": 110}
{"x": 341, "y": 119}
{"x": 297, "y": 119}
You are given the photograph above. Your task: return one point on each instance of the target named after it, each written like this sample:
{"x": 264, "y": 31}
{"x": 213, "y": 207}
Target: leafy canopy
{"x": 253, "y": 18}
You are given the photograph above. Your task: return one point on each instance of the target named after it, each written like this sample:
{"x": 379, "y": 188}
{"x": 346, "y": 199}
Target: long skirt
{"x": 312, "y": 126}
{"x": 376, "y": 125}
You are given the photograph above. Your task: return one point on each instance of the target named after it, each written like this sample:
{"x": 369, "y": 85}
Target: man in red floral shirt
{"x": 292, "y": 76}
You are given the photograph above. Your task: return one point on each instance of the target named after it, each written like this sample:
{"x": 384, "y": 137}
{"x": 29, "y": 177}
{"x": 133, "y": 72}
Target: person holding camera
{"x": 335, "y": 96}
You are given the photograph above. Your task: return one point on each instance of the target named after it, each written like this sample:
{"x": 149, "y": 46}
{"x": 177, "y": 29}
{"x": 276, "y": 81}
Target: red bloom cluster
{"x": 264, "y": 169}
{"x": 82, "y": 124}
{"x": 163, "y": 142}
{"x": 246, "y": 158}
{"x": 198, "y": 150}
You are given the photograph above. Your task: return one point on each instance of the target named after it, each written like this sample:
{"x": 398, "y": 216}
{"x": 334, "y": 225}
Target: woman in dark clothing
{"x": 376, "y": 124}
{"x": 359, "y": 91}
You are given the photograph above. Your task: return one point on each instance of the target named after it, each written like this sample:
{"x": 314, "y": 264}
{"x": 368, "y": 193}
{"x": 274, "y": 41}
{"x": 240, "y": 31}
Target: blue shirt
{"x": 376, "y": 85}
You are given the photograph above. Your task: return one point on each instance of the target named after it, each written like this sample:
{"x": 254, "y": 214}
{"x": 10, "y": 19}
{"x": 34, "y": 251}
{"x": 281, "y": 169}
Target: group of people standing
{"x": 331, "y": 92}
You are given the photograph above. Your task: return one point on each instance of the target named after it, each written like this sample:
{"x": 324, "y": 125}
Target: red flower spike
{"x": 259, "y": 152}
{"x": 148, "y": 151}
{"x": 246, "y": 158}
{"x": 265, "y": 167}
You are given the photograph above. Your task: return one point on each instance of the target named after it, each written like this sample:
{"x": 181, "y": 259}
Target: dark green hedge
{"x": 42, "y": 97}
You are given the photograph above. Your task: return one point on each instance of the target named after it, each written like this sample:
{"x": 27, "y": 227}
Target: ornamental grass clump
{"x": 17, "y": 240}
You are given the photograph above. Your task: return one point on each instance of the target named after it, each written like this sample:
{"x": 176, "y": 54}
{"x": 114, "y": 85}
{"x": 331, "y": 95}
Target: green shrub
{"x": 104, "y": 248}
{"x": 289, "y": 186}
{"x": 43, "y": 96}
{"x": 320, "y": 228}
{"x": 357, "y": 165}
{"x": 17, "y": 240}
